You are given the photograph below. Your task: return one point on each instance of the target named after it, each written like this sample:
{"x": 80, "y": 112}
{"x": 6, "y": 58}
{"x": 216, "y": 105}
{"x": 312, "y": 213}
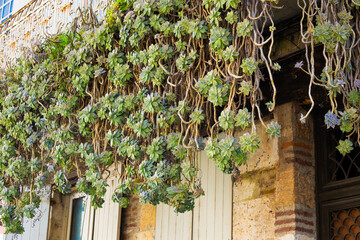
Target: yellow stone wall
{"x": 274, "y": 196}
{"x": 254, "y": 192}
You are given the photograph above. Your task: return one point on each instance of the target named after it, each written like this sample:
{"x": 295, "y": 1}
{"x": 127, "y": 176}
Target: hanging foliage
{"x": 335, "y": 25}
{"x": 139, "y": 91}
{"x": 142, "y": 90}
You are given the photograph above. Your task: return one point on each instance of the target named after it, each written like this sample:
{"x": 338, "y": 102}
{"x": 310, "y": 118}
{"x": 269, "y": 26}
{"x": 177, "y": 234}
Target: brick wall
{"x": 138, "y": 221}
{"x": 295, "y": 183}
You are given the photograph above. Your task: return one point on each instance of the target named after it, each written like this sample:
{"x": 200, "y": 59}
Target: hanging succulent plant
{"x": 140, "y": 89}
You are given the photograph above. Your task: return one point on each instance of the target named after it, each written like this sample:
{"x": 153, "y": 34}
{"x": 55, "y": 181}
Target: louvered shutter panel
{"x": 88, "y": 222}
{"x": 108, "y": 218}
{"x": 212, "y": 214}
{"x": 171, "y": 225}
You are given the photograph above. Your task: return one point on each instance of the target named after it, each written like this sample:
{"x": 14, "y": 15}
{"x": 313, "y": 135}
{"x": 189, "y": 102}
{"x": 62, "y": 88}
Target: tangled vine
{"x": 142, "y": 90}
{"x": 335, "y": 25}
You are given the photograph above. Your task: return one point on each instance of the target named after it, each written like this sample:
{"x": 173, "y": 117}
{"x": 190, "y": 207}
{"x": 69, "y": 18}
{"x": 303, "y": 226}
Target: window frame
{"x": 89, "y": 215}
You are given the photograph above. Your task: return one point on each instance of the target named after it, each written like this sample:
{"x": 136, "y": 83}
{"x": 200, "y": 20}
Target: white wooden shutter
{"x": 171, "y": 225}
{"x": 88, "y": 222}
{"x": 211, "y": 218}
{"x": 37, "y": 227}
{"x": 108, "y": 218}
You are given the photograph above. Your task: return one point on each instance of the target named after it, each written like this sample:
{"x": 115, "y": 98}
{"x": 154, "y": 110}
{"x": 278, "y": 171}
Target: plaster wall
{"x": 19, "y": 4}
{"x": 40, "y": 18}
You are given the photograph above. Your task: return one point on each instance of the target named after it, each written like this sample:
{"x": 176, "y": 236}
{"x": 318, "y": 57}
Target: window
{"x": 211, "y": 218}
{"x": 77, "y": 217}
{"x": 81, "y": 217}
{"x": 6, "y": 7}
{"x": 86, "y": 223}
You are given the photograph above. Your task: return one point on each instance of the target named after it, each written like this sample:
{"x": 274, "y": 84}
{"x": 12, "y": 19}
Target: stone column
{"x": 295, "y": 214}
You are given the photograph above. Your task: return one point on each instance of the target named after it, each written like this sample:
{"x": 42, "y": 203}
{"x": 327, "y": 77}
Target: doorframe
{"x": 330, "y": 196}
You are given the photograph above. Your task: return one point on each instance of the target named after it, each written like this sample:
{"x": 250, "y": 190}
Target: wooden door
{"x": 338, "y": 188}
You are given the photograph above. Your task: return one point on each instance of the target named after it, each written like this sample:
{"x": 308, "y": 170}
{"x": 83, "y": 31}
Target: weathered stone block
{"x": 254, "y": 219}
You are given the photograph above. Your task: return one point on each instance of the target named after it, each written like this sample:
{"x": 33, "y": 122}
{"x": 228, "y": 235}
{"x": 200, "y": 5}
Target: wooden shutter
{"x": 211, "y": 218}
{"x": 37, "y": 227}
{"x": 171, "y": 225}
{"x": 108, "y": 218}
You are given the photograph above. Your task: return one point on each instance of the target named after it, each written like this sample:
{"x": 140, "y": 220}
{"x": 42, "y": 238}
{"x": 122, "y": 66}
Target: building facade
{"x": 293, "y": 187}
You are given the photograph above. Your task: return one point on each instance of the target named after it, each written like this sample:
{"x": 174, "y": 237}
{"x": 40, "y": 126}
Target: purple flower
{"x": 331, "y": 119}
{"x": 357, "y": 83}
{"x": 299, "y": 64}
{"x": 340, "y": 82}
{"x": 99, "y": 72}
{"x": 302, "y": 119}
{"x": 50, "y": 167}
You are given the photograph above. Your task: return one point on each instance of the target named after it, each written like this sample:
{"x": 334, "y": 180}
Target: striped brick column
{"x": 295, "y": 214}
{"x": 138, "y": 221}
